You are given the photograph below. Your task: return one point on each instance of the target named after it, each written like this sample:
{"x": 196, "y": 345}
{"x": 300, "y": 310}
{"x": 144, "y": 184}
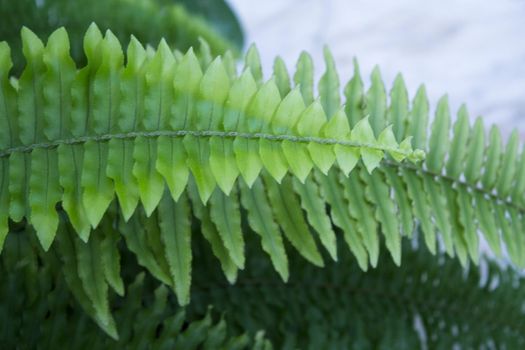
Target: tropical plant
{"x": 169, "y": 150}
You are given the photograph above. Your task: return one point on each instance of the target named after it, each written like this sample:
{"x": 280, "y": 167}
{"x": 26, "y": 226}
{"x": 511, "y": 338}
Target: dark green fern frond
{"x": 42, "y": 313}
{"x": 148, "y": 20}
{"x": 428, "y": 302}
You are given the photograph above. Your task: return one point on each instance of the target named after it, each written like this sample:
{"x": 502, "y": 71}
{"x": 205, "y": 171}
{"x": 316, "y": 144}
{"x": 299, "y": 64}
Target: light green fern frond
{"x": 142, "y": 143}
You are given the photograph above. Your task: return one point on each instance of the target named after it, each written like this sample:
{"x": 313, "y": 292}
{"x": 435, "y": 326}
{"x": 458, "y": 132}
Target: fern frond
{"x": 429, "y": 302}
{"x": 184, "y": 133}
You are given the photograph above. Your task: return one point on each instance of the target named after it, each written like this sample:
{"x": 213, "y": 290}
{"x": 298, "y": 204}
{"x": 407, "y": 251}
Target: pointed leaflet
{"x": 361, "y": 210}
{"x": 286, "y": 115}
{"x": 466, "y": 218}
{"x": 120, "y": 170}
{"x": 174, "y": 221}
{"x": 209, "y": 231}
{"x": 418, "y": 120}
{"x": 258, "y": 113}
{"x": 508, "y": 166}
{"x": 376, "y": 102}
{"x": 136, "y": 240}
{"x": 508, "y": 235}
{"x": 149, "y": 180}
{"x": 82, "y": 93}
{"x": 337, "y": 128}
{"x": 230, "y": 63}
{"x": 222, "y": 157}
{"x": 58, "y": 79}
{"x": 420, "y": 207}
{"x": 439, "y": 139}
{"x": 304, "y": 77}
{"x": 44, "y": 194}
{"x": 171, "y": 164}
{"x": 213, "y": 89}
{"x": 397, "y": 113}
{"x": 90, "y": 271}
{"x": 110, "y": 255}
{"x": 363, "y": 133}
{"x": 331, "y": 191}
{"x": 4, "y": 200}
{"x": 67, "y": 250}
{"x": 519, "y": 186}
{"x": 314, "y": 206}
{"x": 288, "y": 214}
{"x": 225, "y": 214}
{"x": 402, "y": 200}
{"x": 329, "y": 85}
{"x": 283, "y": 123}
{"x": 97, "y": 187}
{"x": 282, "y": 79}
{"x": 158, "y": 98}
{"x": 458, "y": 148}
{"x": 476, "y": 148}
{"x": 487, "y": 221}
{"x": 458, "y": 231}
{"x": 310, "y": 124}
{"x": 438, "y": 201}
{"x": 261, "y": 221}
{"x": 355, "y": 103}
{"x": 30, "y": 92}
{"x": 492, "y": 159}
{"x": 378, "y": 193}
{"x": 106, "y": 85}
{"x": 19, "y": 174}
{"x": 8, "y": 98}
{"x": 519, "y": 242}
{"x": 252, "y": 61}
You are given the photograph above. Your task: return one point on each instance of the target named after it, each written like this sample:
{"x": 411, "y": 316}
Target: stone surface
{"x": 473, "y": 50}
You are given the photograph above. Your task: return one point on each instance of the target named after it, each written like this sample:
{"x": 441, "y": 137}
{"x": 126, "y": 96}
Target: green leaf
{"x": 176, "y": 235}
{"x": 398, "y": 111}
{"x": 30, "y": 92}
{"x": 485, "y": 215}
{"x": 149, "y": 180}
{"x": 418, "y": 121}
{"x": 439, "y": 139}
{"x": 376, "y": 102}
{"x": 110, "y": 256}
{"x": 252, "y": 61}
{"x": 378, "y": 193}
{"x": 287, "y": 212}
{"x": 314, "y": 206}
{"x": 261, "y": 221}
{"x": 492, "y": 160}
{"x": 120, "y": 170}
{"x": 475, "y": 150}
{"x": 508, "y": 166}
{"x": 402, "y": 200}
{"x": 60, "y": 72}
{"x": 420, "y": 207}
{"x": 4, "y": 200}
{"x": 458, "y": 148}
{"x": 225, "y": 214}
{"x": 466, "y": 218}
{"x": 331, "y": 192}
{"x": 19, "y": 174}
{"x": 304, "y": 77}
{"x": 360, "y": 209}
{"x": 363, "y": 133}
{"x": 171, "y": 164}
{"x": 44, "y": 194}
{"x": 209, "y": 231}
{"x": 282, "y": 78}
{"x": 8, "y": 101}
{"x": 97, "y": 188}
{"x": 198, "y": 152}
{"x": 355, "y": 98}
{"x": 329, "y": 85}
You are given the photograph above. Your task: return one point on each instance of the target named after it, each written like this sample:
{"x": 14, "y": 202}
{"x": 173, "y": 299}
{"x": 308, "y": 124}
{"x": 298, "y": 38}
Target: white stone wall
{"x": 474, "y": 50}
